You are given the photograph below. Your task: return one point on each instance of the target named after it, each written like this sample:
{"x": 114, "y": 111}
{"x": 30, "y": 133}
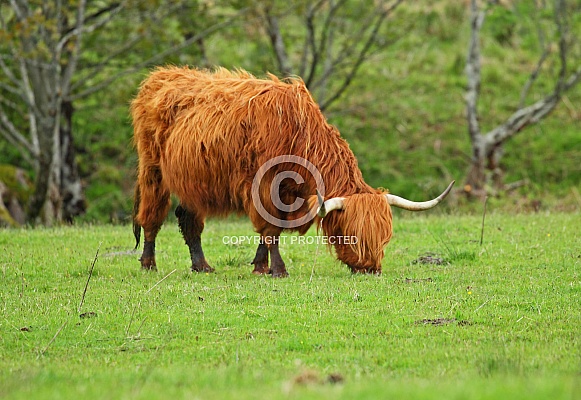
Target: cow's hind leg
{"x": 154, "y": 203}
{"x": 261, "y": 259}
{"x": 191, "y": 226}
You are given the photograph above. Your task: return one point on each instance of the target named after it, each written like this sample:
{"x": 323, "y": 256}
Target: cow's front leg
{"x": 277, "y": 267}
{"x": 191, "y": 226}
{"x": 260, "y": 261}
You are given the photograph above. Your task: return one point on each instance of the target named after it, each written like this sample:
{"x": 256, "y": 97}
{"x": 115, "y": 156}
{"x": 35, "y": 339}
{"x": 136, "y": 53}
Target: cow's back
{"x": 212, "y": 131}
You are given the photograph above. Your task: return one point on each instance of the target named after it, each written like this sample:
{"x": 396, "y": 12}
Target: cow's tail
{"x": 136, "y": 225}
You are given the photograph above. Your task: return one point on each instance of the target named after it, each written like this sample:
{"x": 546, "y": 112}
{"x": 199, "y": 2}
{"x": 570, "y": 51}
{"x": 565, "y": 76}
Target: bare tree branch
{"x": 319, "y": 50}
{"x": 95, "y": 15}
{"x": 573, "y": 80}
{"x": 562, "y": 31}
{"x": 350, "y": 45}
{"x": 537, "y": 111}
{"x": 81, "y": 27}
{"x": 9, "y": 88}
{"x": 10, "y": 133}
{"x": 7, "y": 70}
{"x": 157, "y": 57}
{"x": 96, "y": 69}
{"x": 328, "y": 65}
{"x": 535, "y": 74}
{"x": 533, "y": 113}
{"x": 473, "y": 71}
{"x": 533, "y": 77}
{"x": 277, "y": 42}
{"x": 310, "y": 45}
{"x": 27, "y": 92}
{"x": 29, "y": 98}
{"x": 320, "y": 45}
{"x": 20, "y": 13}
{"x": 8, "y": 103}
{"x": 362, "y": 55}
{"x": 71, "y": 66}
{"x": 523, "y": 117}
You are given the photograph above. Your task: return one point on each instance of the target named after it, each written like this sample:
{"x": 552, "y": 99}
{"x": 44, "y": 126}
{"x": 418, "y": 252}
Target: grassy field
{"x": 495, "y": 320}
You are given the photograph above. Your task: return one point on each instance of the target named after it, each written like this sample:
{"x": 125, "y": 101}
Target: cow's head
{"x": 359, "y": 226}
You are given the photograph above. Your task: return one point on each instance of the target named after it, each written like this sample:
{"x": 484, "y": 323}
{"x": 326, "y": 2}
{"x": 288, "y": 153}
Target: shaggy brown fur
{"x": 366, "y": 217}
{"x": 203, "y": 135}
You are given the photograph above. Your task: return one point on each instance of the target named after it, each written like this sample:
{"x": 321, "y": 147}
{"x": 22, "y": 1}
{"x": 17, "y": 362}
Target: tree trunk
{"x": 485, "y": 168}
{"x": 44, "y": 170}
{"x": 475, "y": 182}
{"x": 485, "y": 172}
{"x": 71, "y": 188}
{"x": 58, "y": 192}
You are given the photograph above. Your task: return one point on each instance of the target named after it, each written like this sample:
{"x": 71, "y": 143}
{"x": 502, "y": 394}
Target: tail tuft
{"x": 136, "y": 226}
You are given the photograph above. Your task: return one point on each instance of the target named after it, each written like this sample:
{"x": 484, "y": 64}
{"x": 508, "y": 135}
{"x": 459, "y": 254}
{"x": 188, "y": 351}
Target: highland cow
{"x": 206, "y": 136}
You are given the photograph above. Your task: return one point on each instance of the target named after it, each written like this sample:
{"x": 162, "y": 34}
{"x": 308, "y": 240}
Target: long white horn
{"x": 335, "y": 203}
{"x": 400, "y": 202}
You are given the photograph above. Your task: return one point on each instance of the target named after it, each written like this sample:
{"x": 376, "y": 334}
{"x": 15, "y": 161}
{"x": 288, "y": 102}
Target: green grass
{"x": 495, "y": 321}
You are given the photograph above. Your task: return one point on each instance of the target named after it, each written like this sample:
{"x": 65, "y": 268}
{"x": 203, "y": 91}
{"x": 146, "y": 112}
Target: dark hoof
{"x": 202, "y": 268}
{"x": 261, "y": 269}
{"x": 148, "y": 263}
{"x": 365, "y": 270}
{"x": 279, "y": 273}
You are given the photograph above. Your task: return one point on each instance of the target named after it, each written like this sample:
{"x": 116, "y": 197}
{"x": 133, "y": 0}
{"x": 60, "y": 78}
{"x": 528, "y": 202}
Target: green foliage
{"x": 437, "y": 22}
{"x": 411, "y": 135}
{"x": 493, "y": 321}
{"x": 19, "y": 186}
{"x": 5, "y": 218}
{"x": 403, "y": 115}
{"x": 501, "y": 23}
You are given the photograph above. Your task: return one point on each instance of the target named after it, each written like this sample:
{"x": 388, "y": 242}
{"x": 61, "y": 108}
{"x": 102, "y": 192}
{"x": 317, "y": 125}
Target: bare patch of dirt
{"x": 310, "y": 377}
{"x": 89, "y": 314}
{"x": 418, "y": 280}
{"x": 443, "y": 321}
{"x": 335, "y": 378}
{"x": 429, "y": 259}
{"x": 436, "y": 322}
{"x": 307, "y": 377}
